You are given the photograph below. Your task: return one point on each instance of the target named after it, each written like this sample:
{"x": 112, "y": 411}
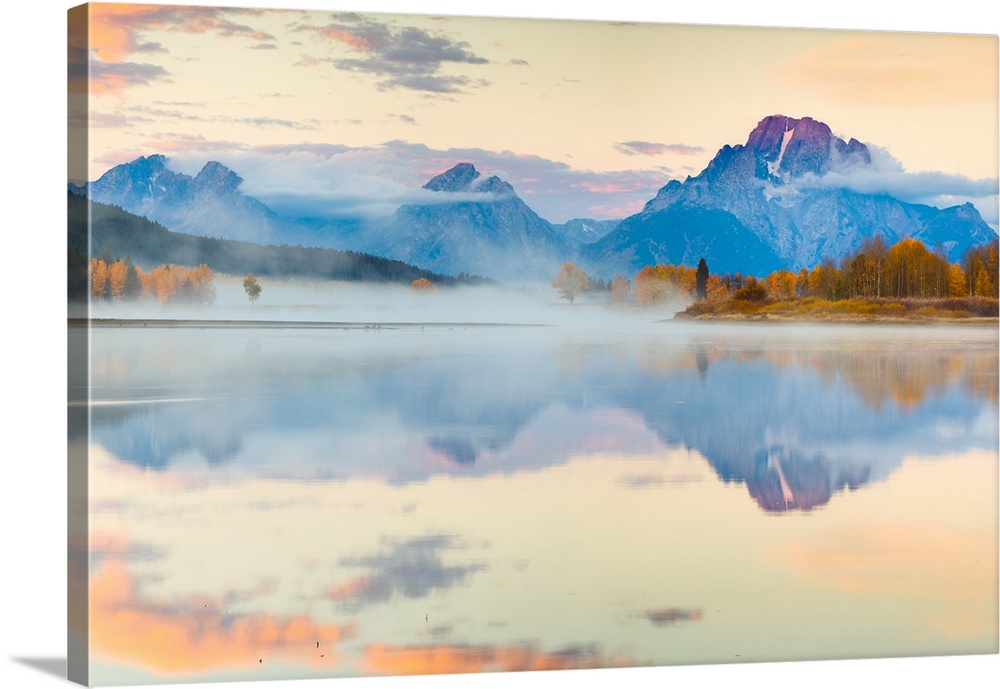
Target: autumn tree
{"x": 620, "y": 289}
{"x": 980, "y": 265}
{"x": 752, "y": 290}
{"x": 781, "y": 284}
{"x": 117, "y": 276}
{"x": 802, "y": 283}
{"x": 864, "y": 271}
{"x": 200, "y": 284}
{"x": 423, "y": 285}
{"x": 825, "y": 281}
{"x": 252, "y": 287}
{"x": 650, "y": 287}
{"x": 654, "y": 284}
{"x": 913, "y": 271}
{"x": 98, "y": 278}
{"x": 716, "y": 288}
{"x": 570, "y": 282}
{"x": 163, "y": 283}
{"x": 956, "y": 281}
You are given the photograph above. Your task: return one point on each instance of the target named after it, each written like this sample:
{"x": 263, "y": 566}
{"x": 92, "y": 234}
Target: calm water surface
{"x": 277, "y": 503}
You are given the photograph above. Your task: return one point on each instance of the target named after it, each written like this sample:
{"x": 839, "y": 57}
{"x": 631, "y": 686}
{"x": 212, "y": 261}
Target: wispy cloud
{"x": 404, "y": 57}
{"x": 649, "y": 148}
{"x": 150, "y": 48}
{"x": 115, "y": 77}
{"x": 886, "y": 175}
{"x": 116, "y": 36}
{"x": 260, "y": 121}
{"x": 116, "y": 29}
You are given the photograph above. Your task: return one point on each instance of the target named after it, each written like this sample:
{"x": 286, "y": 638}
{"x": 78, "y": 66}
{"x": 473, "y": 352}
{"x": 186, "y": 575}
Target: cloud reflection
{"x": 455, "y": 659}
{"x": 180, "y": 638}
{"x": 663, "y": 617}
{"x": 411, "y": 569}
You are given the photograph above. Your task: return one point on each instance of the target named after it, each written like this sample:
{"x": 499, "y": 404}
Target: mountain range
{"x": 764, "y": 205}
{"x": 209, "y": 204}
{"x": 98, "y": 228}
{"x": 756, "y": 207}
{"x": 479, "y": 225}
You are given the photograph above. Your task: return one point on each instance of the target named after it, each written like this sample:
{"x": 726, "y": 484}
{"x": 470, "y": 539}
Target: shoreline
{"x": 979, "y": 321}
{"x": 210, "y": 323}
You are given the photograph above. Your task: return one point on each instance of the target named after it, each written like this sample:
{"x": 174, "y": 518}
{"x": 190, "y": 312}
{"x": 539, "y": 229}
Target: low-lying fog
{"x": 366, "y": 303}
{"x": 537, "y": 305}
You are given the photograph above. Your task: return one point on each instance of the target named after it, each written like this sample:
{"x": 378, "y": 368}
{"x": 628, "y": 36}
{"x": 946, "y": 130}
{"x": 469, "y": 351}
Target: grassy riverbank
{"x": 965, "y": 310}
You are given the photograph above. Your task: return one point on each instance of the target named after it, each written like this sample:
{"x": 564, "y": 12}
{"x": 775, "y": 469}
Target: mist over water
{"x": 363, "y": 303}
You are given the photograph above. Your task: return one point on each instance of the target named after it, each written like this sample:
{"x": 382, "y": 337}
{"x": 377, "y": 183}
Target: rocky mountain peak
{"x": 143, "y": 167}
{"x": 465, "y": 178}
{"x": 458, "y": 178}
{"x": 790, "y": 147}
{"x": 494, "y": 185}
{"x": 157, "y": 161}
{"x": 216, "y": 177}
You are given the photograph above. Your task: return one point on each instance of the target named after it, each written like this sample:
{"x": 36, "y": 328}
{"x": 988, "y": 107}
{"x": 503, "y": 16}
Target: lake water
{"x": 274, "y": 503}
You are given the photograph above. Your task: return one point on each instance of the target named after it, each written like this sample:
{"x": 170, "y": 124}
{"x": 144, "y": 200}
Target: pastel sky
{"x": 344, "y": 113}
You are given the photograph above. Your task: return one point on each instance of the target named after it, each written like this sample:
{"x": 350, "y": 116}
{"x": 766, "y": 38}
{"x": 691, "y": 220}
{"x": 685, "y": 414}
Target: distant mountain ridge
{"x": 762, "y": 205}
{"x": 209, "y": 204}
{"x": 583, "y": 231}
{"x": 479, "y": 226}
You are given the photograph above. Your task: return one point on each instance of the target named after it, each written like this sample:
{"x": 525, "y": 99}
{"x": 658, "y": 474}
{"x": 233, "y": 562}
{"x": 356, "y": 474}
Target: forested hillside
{"x": 148, "y": 244}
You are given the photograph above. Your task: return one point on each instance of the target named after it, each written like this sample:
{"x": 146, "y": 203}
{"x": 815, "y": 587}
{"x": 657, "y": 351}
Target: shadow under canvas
{"x": 50, "y": 666}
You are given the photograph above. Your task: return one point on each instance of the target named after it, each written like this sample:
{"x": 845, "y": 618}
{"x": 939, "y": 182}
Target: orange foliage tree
{"x": 570, "y": 282}
{"x": 657, "y": 283}
{"x": 781, "y": 284}
{"x": 620, "y": 289}
{"x": 423, "y": 285}
{"x": 178, "y": 283}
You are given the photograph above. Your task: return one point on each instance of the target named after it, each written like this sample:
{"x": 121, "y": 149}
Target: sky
{"x": 341, "y": 113}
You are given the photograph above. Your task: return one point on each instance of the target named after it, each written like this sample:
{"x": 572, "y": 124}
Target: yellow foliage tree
{"x": 164, "y": 285}
{"x": 570, "y": 282}
{"x": 956, "y": 281}
{"x": 98, "y": 278}
{"x": 781, "y": 284}
{"x": 117, "y": 274}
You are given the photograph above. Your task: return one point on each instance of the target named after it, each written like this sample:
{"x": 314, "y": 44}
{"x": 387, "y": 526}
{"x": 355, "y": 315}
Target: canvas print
{"x": 406, "y": 344}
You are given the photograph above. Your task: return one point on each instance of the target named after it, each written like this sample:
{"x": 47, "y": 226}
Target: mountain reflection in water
{"x": 797, "y": 422}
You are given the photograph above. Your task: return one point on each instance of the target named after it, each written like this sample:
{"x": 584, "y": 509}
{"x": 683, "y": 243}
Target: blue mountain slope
{"x": 788, "y": 187}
